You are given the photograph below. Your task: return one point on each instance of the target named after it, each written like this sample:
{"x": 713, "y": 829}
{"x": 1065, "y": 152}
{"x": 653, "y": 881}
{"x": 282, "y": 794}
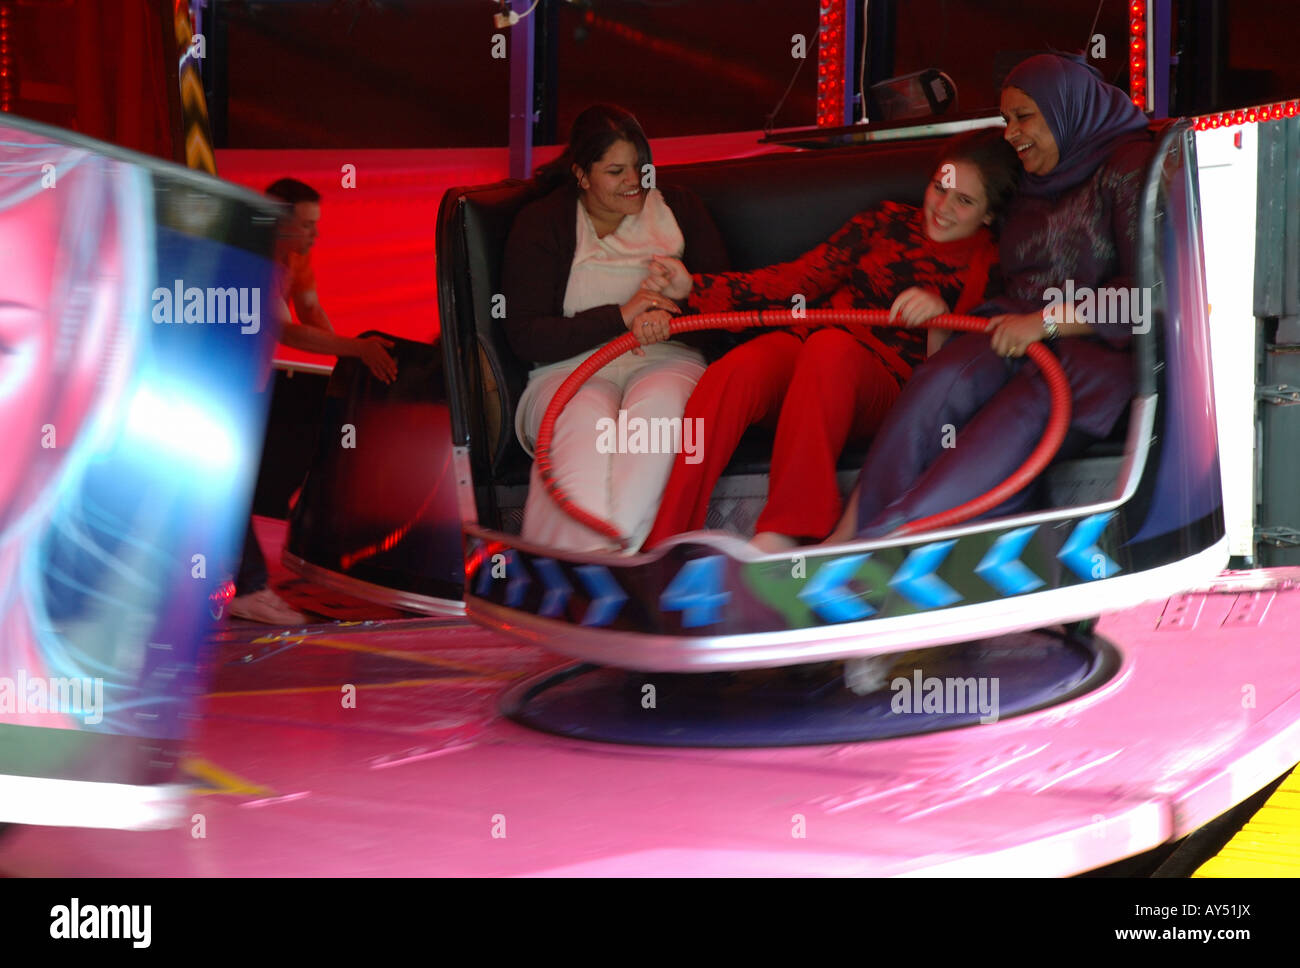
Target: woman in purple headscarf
{"x": 1070, "y": 232}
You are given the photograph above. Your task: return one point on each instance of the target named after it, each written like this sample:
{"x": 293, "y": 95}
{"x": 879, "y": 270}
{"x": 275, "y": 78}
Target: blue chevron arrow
{"x": 698, "y": 592}
{"x": 1080, "y": 552}
{"x": 1002, "y": 567}
{"x": 557, "y": 591}
{"x": 607, "y": 597}
{"x": 827, "y": 595}
{"x": 518, "y": 581}
{"x": 486, "y": 577}
{"x": 916, "y": 579}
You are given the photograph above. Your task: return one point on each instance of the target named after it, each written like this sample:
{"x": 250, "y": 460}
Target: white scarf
{"x": 609, "y": 270}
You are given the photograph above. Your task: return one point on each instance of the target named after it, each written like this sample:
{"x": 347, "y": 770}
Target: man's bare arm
{"x": 311, "y": 312}
{"x": 370, "y": 350}
{"x": 313, "y": 340}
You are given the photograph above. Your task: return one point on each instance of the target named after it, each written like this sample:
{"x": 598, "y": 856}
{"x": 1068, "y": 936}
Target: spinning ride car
{"x": 1135, "y": 518}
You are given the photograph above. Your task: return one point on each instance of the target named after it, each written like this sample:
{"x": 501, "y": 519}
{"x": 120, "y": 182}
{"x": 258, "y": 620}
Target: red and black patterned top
{"x": 865, "y": 265}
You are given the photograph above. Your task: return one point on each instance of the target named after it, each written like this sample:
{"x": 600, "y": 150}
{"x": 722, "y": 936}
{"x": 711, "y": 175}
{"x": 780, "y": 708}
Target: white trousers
{"x": 622, "y": 488}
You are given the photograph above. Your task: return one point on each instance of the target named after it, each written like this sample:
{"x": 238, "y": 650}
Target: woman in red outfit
{"x": 824, "y": 387}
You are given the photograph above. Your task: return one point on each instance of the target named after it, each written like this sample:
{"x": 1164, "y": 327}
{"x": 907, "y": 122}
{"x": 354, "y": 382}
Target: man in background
{"x": 313, "y": 332}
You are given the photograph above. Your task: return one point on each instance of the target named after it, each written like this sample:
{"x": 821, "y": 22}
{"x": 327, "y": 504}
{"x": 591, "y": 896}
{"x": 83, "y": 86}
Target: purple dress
{"x": 1086, "y": 236}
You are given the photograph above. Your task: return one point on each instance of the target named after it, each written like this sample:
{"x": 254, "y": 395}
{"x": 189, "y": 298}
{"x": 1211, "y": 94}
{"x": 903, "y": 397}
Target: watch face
{"x": 1049, "y": 325}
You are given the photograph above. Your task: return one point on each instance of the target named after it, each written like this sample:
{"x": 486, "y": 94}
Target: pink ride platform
{"x": 420, "y": 775}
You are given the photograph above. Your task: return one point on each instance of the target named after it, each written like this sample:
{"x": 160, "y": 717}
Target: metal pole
{"x": 521, "y": 93}
{"x": 1159, "y": 37}
{"x": 547, "y": 72}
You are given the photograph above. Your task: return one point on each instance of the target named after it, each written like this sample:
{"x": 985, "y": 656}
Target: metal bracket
{"x": 1281, "y": 395}
{"x": 1281, "y": 537}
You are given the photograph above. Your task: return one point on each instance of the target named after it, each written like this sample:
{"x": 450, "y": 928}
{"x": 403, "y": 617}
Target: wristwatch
{"x": 1050, "y": 328}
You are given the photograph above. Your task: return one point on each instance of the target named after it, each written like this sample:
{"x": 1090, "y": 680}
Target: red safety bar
{"x": 1058, "y": 420}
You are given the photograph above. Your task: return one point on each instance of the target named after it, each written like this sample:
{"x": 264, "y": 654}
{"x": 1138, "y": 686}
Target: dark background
{"x": 418, "y": 73}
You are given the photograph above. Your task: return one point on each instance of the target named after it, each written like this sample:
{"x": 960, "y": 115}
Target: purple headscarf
{"x": 1088, "y": 118}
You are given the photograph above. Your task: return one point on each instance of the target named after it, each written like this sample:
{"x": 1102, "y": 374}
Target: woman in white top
{"x": 575, "y": 261}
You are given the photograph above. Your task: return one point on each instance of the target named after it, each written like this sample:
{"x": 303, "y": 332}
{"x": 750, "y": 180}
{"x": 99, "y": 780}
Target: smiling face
{"x": 956, "y": 204}
{"x": 611, "y": 188}
{"x": 1028, "y": 133}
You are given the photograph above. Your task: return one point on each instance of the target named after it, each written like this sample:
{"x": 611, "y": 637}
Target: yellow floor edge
{"x": 1269, "y": 844}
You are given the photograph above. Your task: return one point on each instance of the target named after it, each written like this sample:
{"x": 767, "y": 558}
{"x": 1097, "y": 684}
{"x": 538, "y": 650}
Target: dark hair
{"x": 292, "y": 191}
{"x": 594, "y": 131}
{"x": 996, "y": 160}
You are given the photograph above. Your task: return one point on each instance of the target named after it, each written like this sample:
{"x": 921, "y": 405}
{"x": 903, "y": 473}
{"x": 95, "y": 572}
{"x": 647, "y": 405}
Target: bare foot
{"x": 771, "y": 543}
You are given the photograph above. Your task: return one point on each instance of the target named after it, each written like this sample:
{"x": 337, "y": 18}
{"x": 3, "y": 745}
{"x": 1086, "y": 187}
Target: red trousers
{"x": 818, "y": 393}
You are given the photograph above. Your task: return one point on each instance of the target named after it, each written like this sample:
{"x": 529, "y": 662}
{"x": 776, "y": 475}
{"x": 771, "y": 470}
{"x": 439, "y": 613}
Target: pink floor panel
{"x": 423, "y": 776}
